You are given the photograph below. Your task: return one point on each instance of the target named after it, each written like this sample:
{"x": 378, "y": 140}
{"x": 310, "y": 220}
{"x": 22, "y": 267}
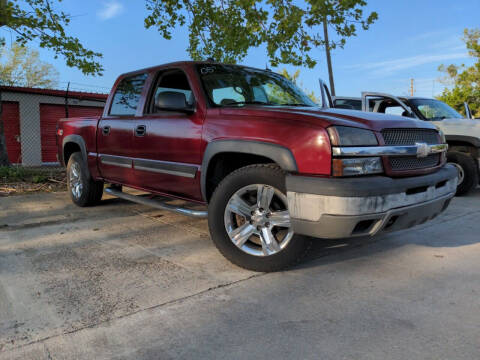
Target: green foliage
{"x": 13, "y": 173}
{"x": 10, "y": 174}
{"x": 227, "y": 29}
{"x": 294, "y": 78}
{"x": 465, "y": 79}
{"x": 20, "y": 66}
{"x": 32, "y": 20}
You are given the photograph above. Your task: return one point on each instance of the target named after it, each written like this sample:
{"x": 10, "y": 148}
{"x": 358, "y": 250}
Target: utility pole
{"x": 412, "y": 91}
{"x": 329, "y": 59}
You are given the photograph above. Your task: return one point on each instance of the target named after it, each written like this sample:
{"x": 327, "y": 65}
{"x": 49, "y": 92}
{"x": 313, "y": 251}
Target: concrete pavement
{"x": 124, "y": 281}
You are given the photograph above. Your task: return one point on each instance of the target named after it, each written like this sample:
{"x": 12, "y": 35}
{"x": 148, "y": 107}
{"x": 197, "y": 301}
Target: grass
{"x": 9, "y": 174}
{"x": 17, "y": 180}
{"x": 32, "y": 175}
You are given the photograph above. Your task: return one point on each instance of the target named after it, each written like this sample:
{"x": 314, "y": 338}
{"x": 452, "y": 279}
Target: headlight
{"x": 358, "y": 166}
{"x": 442, "y": 136}
{"x": 350, "y": 136}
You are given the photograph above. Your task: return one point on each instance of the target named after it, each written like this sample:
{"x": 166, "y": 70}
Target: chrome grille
{"x": 403, "y": 163}
{"x": 410, "y": 136}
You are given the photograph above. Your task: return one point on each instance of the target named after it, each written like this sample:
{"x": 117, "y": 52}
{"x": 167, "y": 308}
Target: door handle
{"x": 140, "y": 130}
{"x": 106, "y": 130}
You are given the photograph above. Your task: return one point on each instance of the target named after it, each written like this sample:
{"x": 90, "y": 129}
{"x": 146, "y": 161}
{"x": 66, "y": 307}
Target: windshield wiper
{"x": 295, "y": 104}
{"x": 253, "y": 102}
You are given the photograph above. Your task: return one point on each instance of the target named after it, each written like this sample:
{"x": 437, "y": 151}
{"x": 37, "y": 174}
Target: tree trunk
{"x": 329, "y": 59}
{"x": 3, "y": 5}
{"x": 3, "y": 143}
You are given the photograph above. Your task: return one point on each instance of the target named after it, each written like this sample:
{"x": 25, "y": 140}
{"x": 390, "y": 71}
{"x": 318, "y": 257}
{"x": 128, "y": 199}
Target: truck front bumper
{"x": 345, "y": 207}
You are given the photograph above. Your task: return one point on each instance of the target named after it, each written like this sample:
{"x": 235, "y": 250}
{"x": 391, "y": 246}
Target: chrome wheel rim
{"x": 75, "y": 180}
{"x": 257, "y": 220}
{"x": 461, "y": 172}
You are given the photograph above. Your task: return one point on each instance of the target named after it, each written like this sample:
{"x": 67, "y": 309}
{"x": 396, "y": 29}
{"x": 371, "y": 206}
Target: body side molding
{"x": 164, "y": 167}
{"x": 279, "y": 154}
{"x": 156, "y": 166}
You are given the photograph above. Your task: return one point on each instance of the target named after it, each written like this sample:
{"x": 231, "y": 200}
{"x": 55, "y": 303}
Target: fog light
{"x": 358, "y": 166}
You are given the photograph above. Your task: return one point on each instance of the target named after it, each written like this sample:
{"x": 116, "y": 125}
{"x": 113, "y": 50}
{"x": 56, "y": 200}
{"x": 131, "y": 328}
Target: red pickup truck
{"x": 271, "y": 167}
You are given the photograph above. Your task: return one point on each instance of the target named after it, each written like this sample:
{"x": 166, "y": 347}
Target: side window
{"x": 348, "y": 104}
{"x": 172, "y": 81}
{"x": 127, "y": 95}
{"x": 394, "y": 110}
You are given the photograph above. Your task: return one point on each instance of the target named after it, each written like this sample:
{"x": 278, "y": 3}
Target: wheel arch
{"x": 465, "y": 144}
{"x": 256, "y": 152}
{"x": 71, "y": 144}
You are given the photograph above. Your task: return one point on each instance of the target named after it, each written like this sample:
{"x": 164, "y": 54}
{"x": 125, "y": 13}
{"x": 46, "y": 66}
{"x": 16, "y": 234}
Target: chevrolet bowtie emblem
{"x": 423, "y": 150}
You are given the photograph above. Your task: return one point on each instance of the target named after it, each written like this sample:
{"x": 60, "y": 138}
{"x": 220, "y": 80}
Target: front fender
{"x": 277, "y": 153}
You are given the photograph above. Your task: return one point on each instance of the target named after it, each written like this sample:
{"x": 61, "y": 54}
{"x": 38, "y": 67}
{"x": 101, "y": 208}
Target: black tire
{"x": 469, "y": 167}
{"x": 91, "y": 191}
{"x": 272, "y": 176}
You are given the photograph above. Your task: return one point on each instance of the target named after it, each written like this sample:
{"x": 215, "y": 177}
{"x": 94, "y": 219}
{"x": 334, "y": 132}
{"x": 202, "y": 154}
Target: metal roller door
{"x": 11, "y": 123}
{"x": 49, "y": 115}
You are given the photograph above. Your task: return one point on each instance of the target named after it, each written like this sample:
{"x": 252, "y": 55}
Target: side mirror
{"x": 173, "y": 101}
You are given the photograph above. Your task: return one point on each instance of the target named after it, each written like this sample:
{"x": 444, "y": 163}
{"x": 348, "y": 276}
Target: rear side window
{"x": 126, "y": 98}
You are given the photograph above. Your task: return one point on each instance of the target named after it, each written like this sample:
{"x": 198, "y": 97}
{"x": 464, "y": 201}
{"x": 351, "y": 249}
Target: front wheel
{"x": 83, "y": 190}
{"x": 249, "y": 220}
{"x": 467, "y": 171}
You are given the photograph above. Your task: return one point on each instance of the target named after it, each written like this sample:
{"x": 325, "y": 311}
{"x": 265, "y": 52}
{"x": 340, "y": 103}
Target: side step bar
{"x": 156, "y": 204}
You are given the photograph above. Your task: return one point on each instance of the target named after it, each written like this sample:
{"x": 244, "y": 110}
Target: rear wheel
{"x": 83, "y": 190}
{"x": 467, "y": 171}
{"x": 250, "y": 223}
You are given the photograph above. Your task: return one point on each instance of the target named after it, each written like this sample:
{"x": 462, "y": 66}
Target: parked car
{"x": 271, "y": 165}
{"x": 462, "y": 134}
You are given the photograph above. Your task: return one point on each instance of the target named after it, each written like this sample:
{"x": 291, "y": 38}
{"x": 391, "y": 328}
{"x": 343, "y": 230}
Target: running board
{"x": 156, "y": 204}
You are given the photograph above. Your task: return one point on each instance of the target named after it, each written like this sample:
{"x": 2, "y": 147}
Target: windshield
{"x": 435, "y": 109}
{"x": 229, "y": 85}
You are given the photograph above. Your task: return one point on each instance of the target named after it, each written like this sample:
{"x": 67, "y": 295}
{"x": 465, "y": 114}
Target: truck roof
{"x": 185, "y": 62}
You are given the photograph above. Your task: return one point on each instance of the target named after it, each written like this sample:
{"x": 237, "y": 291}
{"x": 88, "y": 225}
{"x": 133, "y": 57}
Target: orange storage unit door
{"x": 49, "y": 115}
{"x": 11, "y": 123}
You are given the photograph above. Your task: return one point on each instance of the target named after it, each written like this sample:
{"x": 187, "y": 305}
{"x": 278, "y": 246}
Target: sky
{"x": 410, "y": 40}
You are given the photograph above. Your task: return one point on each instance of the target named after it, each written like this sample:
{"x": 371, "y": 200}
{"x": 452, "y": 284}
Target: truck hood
{"x": 327, "y": 117}
{"x": 463, "y": 127}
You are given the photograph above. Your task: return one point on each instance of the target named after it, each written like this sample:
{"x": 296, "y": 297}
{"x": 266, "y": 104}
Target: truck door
{"x": 468, "y": 112}
{"x": 167, "y": 140}
{"x": 385, "y": 103}
{"x": 116, "y": 129}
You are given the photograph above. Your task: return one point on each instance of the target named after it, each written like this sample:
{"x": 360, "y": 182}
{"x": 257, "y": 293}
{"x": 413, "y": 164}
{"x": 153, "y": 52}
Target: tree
{"x": 294, "y": 78}
{"x": 227, "y": 29}
{"x": 38, "y": 20}
{"x": 465, "y": 79}
{"x": 23, "y": 67}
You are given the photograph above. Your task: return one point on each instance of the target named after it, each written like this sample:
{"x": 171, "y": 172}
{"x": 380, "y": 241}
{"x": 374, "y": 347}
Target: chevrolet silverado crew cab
{"x": 462, "y": 134}
{"x": 264, "y": 163}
